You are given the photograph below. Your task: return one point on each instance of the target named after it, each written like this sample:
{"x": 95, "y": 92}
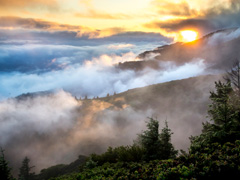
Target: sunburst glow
{"x": 189, "y": 35}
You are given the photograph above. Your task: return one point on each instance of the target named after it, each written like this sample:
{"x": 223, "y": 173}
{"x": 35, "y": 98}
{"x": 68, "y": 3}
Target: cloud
{"x": 168, "y": 8}
{"x": 101, "y": 33}
{"x": 212, "y": 16}
{"x": 120, "y": 46}
{"x": 38, "y": 58}
{"x": 38, "y": 24}
{"x": 34, "y": 50}
{"x": 94, "y": 14}
{"x": 222, "y": 37}
{"x": 201, "y": 25}
{"x": 101, "y": 72}
{"x": 38, "y": 126}
{"x": 26, "y": 3}
{"x": 30, "y": 23}
{"x": 45, "y": 124}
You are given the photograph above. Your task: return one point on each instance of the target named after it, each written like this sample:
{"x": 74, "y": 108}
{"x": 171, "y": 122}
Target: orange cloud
{"x": 171, "y": 8}
{"x": 38, "y": 24}
{"x": 30, "y": 23}
{"x": 92, "y": 12}
{"x": 27, "y": 3}
{"x": 101, "y": 15}
{"x": 202, "y": 16}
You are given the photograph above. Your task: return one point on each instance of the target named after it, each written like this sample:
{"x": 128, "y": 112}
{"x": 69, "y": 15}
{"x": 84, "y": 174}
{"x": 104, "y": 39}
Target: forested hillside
{"x": 214, "y": 154}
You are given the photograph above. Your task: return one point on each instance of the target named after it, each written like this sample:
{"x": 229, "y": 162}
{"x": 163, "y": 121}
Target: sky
{"x": 53, "y": 41}
{"x": 101, "y": 18}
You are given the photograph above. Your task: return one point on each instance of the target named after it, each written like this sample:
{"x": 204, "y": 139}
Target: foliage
{"x": 4, "y": 168}
{"x": 166, "y": 149}
{"x": 215, "y": 161}
{"x": 151, "y": 145}
{"x": 220, "y": 110}
{"x": 224, "y": 114}
{"x": 61, "y": 169}
{"x": 157, "y": 146}
{"x": 132, "y": 153}
{"x": 150, "y": 140}
{"x": 213, "y": 155}
{"x": 234, "y": 76}
{"x": 24, "y": 170}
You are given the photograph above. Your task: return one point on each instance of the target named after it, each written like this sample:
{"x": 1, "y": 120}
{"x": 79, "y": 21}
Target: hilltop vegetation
{"x": 214, "y": 154}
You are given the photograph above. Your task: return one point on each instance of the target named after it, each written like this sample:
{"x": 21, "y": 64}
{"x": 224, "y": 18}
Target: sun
{"x": 188, "y": 35}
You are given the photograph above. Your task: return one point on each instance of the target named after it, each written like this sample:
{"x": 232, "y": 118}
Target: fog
{"x": 55, "y": 127}
{"x": 96, "y": 77}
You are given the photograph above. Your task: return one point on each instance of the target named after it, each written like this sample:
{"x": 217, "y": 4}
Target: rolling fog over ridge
{"x": 77, "y": 74}
{"x": 56, "y": 121}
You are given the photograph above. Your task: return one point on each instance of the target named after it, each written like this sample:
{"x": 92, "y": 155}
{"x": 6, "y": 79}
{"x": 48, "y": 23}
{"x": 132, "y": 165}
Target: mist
{"x": 55, "y": 127}
{"x": 97, "y": 77}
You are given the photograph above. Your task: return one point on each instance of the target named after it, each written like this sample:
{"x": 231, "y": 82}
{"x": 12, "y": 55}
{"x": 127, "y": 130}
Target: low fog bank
{"x": 93, "y": 70}
{"x": 97, "y": 77}
{"x": 56, "y": 128}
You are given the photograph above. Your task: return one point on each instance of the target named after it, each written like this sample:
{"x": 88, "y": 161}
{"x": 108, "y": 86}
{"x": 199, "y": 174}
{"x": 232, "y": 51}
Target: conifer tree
{"x": 157, "y": 146}
{"x": 167, "y": 150}
{"x": 4, "y": 169}
{"x": 220, "y": 111}
{"x": 150, "y": 141}
{"x": 24, "y": 170}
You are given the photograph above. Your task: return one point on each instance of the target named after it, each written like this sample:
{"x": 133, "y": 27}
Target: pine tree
{"x": 157, "y": 146}
{"x": 149, "y": 140}
{"x": 24, "y": 170}
{"x": 4, "y": 169}
{"x": 167, "y": 150}
{"x": 220, "y": 111}
{"x": 233, "y": 76}
{"x": 225, "y": 122}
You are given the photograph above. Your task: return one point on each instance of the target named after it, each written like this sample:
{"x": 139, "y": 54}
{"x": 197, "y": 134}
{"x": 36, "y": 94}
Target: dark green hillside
{"x": 61, "y": 169}
{"x": 215, "y": 161}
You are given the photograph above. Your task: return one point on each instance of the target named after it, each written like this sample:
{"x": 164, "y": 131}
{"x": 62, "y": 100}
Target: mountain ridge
{"x": 217, "y": 54}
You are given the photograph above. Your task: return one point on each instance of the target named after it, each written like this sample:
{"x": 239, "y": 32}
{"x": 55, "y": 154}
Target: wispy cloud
{"x": 209, "y": 17}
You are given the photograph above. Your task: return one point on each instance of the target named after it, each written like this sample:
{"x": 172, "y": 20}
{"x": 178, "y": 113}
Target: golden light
{"x": 188, "y": 35}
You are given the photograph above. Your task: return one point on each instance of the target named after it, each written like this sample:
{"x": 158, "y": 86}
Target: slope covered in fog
{"x": 218, "y": 49}
{"x": 39, "y": 125}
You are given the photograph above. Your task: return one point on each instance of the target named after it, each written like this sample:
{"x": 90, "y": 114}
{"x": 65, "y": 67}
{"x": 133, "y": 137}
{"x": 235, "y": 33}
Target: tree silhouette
{"x": 167, "y": 150}
{"x": 4, "y": 169}
{"x": 24, "y": 170}
{"x": 157, "y": 146}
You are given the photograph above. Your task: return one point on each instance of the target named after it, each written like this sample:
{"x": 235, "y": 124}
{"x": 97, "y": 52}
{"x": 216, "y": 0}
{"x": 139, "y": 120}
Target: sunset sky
{"x": 64, "y": 44}
{"x": 100, "y": 18}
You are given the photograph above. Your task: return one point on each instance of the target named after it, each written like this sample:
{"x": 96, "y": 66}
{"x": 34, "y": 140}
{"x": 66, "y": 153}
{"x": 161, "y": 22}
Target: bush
{"x": 215, "y": 161}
